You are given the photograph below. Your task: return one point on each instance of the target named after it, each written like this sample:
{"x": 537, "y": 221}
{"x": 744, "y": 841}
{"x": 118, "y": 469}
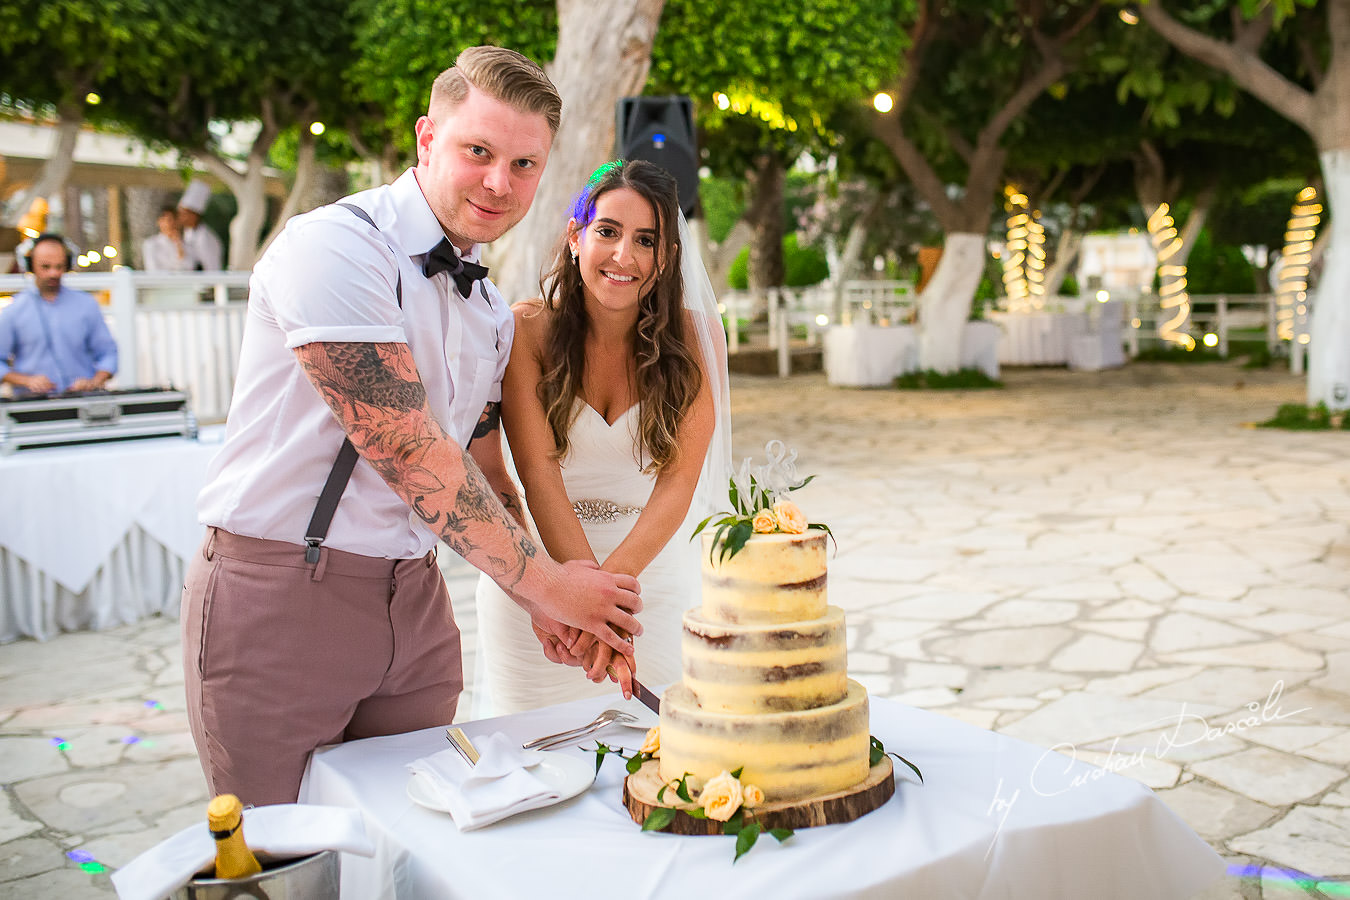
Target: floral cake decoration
{"x": 759, "y": 503}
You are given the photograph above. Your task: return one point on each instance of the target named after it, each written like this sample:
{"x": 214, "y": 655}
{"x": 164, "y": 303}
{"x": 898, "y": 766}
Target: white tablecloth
{"x": 862, "y": 355}
{"x": 997, "y": 818}
{"x": 97, "y": 535}
{"x": 1038, "y": 338}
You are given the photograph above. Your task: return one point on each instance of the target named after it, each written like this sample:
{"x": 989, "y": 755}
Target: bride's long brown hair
{"x": 667, "y": 370}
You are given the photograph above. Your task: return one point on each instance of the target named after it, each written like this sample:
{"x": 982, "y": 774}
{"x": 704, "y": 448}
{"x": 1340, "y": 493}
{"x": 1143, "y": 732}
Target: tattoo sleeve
{"x": 377, "y": 396}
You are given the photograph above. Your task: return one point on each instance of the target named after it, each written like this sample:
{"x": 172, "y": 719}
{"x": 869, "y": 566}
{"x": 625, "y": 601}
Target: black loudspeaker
{"x": 661, "y": 131}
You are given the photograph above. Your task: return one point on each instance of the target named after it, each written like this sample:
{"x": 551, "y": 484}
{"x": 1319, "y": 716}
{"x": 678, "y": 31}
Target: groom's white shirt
{"x": 330, "y": 277}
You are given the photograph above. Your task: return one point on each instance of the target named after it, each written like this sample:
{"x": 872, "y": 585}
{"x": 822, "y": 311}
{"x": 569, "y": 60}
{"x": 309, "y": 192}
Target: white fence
{"x": 166, "y": 334}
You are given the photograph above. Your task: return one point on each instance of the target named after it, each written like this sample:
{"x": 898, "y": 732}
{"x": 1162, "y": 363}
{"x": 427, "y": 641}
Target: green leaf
{"x": 634, "y": 763}
{"x": 658, "y": 818}
{"x": 600, "y": 751}
{"x": 735, "y": 823}
{"x": 782, "y": 834}
{"x": 911, "y": 765}
{"x": 696, "y": 813}
{"x": 661, "y": 794}
{"x": 878, "y": 752}
{"x": 745, "y": 839}
{"x": 682, "y": 789}
{"x": 737, "y": 773}
{"x": 737, "y": 535}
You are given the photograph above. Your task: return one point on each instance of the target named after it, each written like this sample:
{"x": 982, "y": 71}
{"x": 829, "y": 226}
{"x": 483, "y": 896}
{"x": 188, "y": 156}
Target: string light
{"x": 1291, "y": 311}
{"x": 1023, "y": 258}
{"x": 883, "y": 102}
{"x": 1172, "y": 294}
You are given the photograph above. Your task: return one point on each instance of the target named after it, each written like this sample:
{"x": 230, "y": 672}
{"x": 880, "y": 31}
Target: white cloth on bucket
{"x": 500, "y": 785}
{"x": 285, "y": 830}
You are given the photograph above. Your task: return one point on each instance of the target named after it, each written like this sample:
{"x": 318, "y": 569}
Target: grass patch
{"x": 1296, "y": 417}
{"x": 961, "y": 380}
{"x": 1174, "y": 354}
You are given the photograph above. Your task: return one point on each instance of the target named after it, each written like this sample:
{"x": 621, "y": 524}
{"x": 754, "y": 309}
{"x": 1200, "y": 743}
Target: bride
{"x": 615, "y": 409}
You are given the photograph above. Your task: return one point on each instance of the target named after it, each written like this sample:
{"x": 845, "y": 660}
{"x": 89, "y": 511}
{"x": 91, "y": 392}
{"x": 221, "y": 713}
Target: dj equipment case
{"x": 90, "y": 417}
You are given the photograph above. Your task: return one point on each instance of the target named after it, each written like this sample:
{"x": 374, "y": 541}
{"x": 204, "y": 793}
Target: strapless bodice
{"x": 603, "y": 461}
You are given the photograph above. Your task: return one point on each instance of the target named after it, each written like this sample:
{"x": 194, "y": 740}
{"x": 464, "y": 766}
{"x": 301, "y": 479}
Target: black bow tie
{"x": 443, "y": 258}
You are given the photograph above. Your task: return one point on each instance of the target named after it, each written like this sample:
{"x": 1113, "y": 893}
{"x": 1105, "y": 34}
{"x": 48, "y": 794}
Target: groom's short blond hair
{"x": 502, "y": 74}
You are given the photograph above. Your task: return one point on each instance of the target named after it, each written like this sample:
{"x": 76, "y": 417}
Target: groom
{"x": 370, "y": 320}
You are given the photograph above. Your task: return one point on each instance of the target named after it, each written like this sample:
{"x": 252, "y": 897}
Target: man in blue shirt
{"x": 53, "y": 338}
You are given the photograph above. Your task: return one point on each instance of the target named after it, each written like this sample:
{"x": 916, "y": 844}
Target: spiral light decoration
{"x": 1035, "y": 260}
{"x": 1015, "y": 252}
{"x": 1291, "y": 305}
{"x": 1172, "y": 294}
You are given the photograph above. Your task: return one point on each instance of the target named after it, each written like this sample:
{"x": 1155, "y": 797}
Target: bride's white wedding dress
{"x": 604, "y": 479}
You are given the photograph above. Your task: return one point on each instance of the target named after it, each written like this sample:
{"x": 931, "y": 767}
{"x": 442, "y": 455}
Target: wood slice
{"x": 640, "y": 788}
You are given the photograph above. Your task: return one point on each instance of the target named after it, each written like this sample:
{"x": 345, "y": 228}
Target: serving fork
{"x": 607, "y": 717}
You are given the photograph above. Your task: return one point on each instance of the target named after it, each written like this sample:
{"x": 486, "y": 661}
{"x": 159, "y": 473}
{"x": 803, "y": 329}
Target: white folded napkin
{"x": 500, "y": 785}
{"x": 285, "y": 830}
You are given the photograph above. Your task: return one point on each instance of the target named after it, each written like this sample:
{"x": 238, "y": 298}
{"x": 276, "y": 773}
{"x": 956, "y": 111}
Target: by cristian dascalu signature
{"x": 1185, "y": 729}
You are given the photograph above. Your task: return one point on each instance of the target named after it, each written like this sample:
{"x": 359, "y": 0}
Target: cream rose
{"x": 790, "y": 519}
{"x": 652, "y": 743}
{"x": 752, "y": 796}
{"x": 721, "y": 797}
{"x": 764, "y": 522}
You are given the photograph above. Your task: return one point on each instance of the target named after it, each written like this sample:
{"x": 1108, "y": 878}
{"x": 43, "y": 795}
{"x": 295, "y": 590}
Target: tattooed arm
{"x": 376, "y": 395}
{"x": 486, "y": 450}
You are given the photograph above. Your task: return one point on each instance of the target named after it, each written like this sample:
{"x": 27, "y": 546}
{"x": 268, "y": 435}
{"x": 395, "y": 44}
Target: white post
{"x": 1272, "y": 326}
{"x": 123, "y": 305}
{"x": 222, "y": 293}
{"x": 775, "y": 313}
{"x": 1221, "y": 326}
{"x": 780, "y": 334}
{"x": 733, "y": 324}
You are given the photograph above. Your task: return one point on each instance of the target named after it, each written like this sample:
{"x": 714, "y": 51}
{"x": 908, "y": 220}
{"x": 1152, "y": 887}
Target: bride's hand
{"x": 603, "y": 662}
{"x": 556, "y": 640}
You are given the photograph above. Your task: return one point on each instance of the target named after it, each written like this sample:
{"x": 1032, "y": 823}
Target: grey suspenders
{"x": 341, "y": 472}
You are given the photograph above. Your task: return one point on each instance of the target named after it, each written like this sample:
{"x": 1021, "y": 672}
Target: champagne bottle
{"x": 225, "y": 816}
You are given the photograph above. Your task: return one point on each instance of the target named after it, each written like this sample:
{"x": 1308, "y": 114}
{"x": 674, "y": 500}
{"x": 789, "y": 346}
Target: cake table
{"x": 997, "y": 818}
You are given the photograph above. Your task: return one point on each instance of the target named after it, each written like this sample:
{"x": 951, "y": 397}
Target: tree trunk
{"x": 1066, "y": 253}
{"x": 1329, "y": 356}
{"x": 613, "y": 37}
{"x": 304, "y": 174}
{"x": 765, "y": 215}
{"x": 846, "y": 265}
{"x": 249, "y": 189}
{"x": 719, "y": 257}
{"x": 944, "y": 305}
{"x": 55, "y": 172}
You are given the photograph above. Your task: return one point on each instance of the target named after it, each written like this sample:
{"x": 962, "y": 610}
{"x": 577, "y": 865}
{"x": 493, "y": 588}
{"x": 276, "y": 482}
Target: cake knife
{"x": 640, "y": 691}
{"x": 649, "y": 700}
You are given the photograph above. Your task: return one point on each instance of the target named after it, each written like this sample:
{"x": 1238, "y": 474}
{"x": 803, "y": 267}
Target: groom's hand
{"x": 602, "y": 603}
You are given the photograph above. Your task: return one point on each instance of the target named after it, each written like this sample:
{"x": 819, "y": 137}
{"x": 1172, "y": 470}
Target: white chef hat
{"x": 195, "y": 197}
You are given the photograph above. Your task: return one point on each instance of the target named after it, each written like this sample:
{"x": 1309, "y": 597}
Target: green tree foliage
{"x": 405, "y": 44}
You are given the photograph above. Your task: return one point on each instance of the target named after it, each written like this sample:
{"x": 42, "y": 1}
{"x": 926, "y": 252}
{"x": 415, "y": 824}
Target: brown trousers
{"x": 282, "y": 656}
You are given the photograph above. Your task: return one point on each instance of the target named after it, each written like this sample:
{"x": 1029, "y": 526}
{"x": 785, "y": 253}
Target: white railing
{"x": 812, "y": 308}
{"x": 1221, "y": 315}
{"x": 166, "y": 335}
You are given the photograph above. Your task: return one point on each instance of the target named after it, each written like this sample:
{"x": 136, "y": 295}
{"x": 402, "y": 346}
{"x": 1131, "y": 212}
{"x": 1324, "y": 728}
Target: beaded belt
{"x": 602, "y": 510}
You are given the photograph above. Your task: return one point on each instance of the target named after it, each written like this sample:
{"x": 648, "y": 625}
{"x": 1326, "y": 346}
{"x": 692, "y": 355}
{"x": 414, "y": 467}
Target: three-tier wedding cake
{"x": 765, "y": 686}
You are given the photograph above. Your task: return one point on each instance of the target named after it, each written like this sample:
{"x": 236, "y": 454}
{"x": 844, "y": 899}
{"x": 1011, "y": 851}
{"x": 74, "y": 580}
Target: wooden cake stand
{"x": 640, "y": 789}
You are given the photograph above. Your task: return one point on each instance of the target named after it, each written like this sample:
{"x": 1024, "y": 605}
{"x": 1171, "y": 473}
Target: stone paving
{"x": 1110, "y": 564}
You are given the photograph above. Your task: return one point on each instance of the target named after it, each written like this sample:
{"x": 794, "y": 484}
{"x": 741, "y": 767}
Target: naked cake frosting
{"x": 765, "y": 687}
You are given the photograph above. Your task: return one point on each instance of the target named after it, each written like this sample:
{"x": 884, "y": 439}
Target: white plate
{"x": 565, "y": 773}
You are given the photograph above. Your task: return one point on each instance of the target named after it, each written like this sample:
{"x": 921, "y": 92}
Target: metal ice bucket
{"x": 308, "y": 878}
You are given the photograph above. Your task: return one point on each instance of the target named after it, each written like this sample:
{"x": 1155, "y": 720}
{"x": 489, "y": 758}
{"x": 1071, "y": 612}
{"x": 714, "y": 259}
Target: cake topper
{"x": 759, "y": 503}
